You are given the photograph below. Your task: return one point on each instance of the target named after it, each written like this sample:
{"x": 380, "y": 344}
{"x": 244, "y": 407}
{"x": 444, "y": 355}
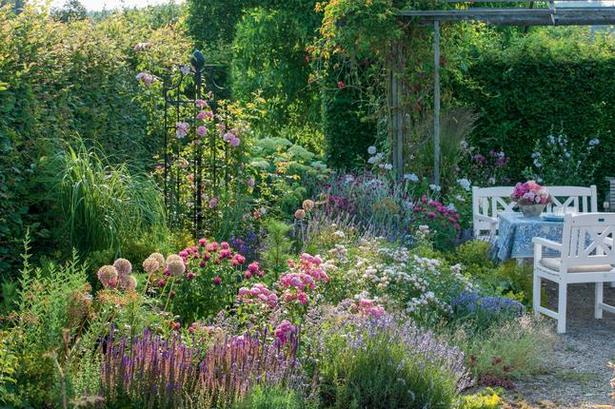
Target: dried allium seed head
{"x": 108, "y": 276}
{"x": 172, "y": 258}
{"x": 158, "y": 257}
{"x": 308, "y": 205}
{"x": 123, "y": 267}
{"x": 176, "y": 267}
{"x": 151, "y": 265}
{"x": 129, "y": 283}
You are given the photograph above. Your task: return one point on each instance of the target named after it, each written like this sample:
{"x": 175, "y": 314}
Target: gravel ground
{"x": 579, "y": 376}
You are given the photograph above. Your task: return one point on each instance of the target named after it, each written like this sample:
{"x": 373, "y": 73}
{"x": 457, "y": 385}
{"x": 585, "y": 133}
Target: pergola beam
{"x": 577, "y": 16}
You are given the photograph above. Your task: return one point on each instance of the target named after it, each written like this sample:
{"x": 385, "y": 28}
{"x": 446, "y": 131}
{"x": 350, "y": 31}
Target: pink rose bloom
{"x": 217, "y": 280}
{"x": 181, "y": 129}
{"x": 253, "y": 267}
{"x": 213, "y": 246}
{"x": 213, "y": 202}
{"x": 200, "y": 103}
{"x": 532, "y": 185}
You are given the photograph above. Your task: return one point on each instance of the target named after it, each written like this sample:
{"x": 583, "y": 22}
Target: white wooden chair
{"x": 488, "y": 202}
{"x": 577, "y": 199}
{"x": 587, "y": 255}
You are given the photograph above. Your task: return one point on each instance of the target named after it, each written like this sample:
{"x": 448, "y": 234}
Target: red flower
{"x": 341, "y": 84}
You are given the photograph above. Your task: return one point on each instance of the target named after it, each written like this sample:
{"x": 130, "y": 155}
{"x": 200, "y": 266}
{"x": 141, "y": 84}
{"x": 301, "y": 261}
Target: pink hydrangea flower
{"x": 284, "y": 331}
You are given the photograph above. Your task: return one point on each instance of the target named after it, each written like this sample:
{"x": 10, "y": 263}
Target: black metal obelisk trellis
{"x": 190, "y": 158}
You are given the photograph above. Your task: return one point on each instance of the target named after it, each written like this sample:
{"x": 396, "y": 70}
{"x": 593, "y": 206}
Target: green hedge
{"x": 348, "y": 131}
{"x": 542, "y": 83}
{"x": 60, "y": 80}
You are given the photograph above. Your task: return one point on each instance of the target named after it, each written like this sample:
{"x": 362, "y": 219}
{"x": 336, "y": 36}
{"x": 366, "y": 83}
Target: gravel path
{"x": 579, "y": 377}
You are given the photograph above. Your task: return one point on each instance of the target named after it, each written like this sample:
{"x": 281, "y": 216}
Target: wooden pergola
{"x": 537, "y": 13}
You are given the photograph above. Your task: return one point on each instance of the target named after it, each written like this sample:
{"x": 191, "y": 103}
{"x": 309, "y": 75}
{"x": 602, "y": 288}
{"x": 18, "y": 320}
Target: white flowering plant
{"x": 558, "y": 159}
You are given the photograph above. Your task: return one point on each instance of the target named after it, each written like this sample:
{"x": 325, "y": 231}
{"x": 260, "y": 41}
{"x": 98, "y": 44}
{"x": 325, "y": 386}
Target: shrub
{"x": 277, "y": 245}
{"x": 484, "y": 311}
{"x": 54, "y": 303}
{"x": 508, "y": 350}
{"x": 473, "y": 254}
{"x": 201, "y": 280}
{"x": 519, "y": 104}
{"x": 380, "y": 363}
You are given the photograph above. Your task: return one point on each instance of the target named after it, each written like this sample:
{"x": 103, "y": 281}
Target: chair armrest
{"x": 486, "y": 219}
{"x": 547, "y": 243}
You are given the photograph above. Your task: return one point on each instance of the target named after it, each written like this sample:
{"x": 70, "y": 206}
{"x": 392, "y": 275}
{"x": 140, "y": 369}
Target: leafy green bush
{"x": 382, "y": 364}
{"x": 53, "y": 304}
{"x": 348, "y": 131}
{"x": 269, "y": 58}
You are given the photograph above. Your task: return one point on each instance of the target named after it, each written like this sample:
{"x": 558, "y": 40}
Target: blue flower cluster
{"x": 468, "y": 303}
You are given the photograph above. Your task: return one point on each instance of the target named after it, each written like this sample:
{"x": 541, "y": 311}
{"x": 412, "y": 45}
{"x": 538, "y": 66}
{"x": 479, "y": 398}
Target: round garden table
{"x": 515, "y": 234}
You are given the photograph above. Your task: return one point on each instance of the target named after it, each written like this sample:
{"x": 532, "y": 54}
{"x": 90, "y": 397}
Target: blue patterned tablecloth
{"x": 515, "y": 234}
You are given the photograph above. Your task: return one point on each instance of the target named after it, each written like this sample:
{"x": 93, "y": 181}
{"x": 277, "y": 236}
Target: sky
{"x": 96, "y": 5}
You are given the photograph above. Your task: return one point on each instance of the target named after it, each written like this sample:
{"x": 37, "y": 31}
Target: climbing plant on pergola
{"x": 537, "y": 13}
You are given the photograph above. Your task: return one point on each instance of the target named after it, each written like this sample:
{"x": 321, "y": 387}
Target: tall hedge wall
{"x": 540, "y": 83}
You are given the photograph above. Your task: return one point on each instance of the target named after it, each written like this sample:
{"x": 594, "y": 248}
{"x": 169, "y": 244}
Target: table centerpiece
{"x": 531, "y": 198}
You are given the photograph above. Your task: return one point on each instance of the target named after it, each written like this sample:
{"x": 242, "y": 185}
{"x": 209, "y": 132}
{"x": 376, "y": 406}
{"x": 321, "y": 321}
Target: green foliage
{"x": 70, "y": 11}
{"x": 380, "y": 372}
{"x": 273, "y": 398}
{"x": 348, "y": 131}
{"x": 103, "y": 206}
{"x": 545, "y": 80}
{"x": 61, "y": 79}
{"x": 212, "y": 22}
{"x": 473, "y": 254}
{"x": 277, "y": 245}
{"x": 285, "y": 173}
{"x": 510, "y": 350}
{"x": 53, "y": 303}
{"x": 269, "y": 57}
{"x": 557, "y": 160}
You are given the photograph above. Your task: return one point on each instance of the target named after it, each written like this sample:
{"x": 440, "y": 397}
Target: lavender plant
{"x": 385, "y": 362}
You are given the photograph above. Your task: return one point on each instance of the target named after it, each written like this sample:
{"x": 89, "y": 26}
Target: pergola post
{"x": 396, "y": 117}
{"x": 436, "y": 104}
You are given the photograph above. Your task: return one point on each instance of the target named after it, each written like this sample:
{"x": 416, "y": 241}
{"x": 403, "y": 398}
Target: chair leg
{"x": 599, "y": 300}
{"x": 536, "y": 295}
{"x": 561, "y": 307}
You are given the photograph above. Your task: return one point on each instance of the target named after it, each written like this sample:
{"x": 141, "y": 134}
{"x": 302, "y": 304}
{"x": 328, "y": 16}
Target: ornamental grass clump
{"x": 153, "y": 372}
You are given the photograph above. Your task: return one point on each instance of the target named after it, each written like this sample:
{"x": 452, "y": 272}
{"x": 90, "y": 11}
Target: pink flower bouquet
{"x": 530, "y": 193}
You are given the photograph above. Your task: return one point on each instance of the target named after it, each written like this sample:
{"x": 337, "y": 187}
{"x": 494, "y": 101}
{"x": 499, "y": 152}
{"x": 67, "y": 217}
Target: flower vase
{"x": 533, "y": 210}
